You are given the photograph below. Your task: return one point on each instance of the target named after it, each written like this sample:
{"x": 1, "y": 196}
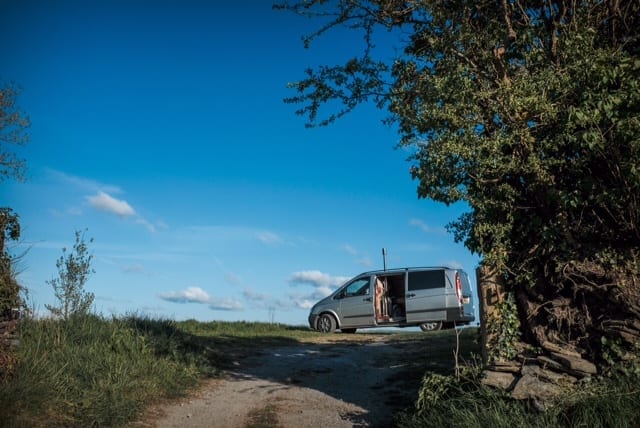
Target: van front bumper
{"x": 313, "y": 318}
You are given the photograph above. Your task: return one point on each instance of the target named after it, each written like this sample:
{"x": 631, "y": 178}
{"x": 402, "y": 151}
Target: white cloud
{"x": 349, "y": 249}
{"x": 365, "y": 261}
{"x": 85, "y": 184}
{"x": 74, "y": 211}
{"x": 361, "y": 260}
{"x": 105, "y": 202}
{"x": 420, "y": 225}
{"x": 150, "y": 227}
{"x": 226, "y": 305}
{"x": 252, "y": 295}
{"x": 269, "y": 238}
{"x": 198, "y": 295}
{"x": 323, "y": 284}
{"x": 102, "y": 201}
{"x": 316, "y": 278}
{"x": 262, "y": 301}
{"x": 304, "y": 303}
{"x": 190, "y": 295}
{"x": 321, "y": 292}
{"x": 162, "y": 225}
{"x": 135, "y": 268}
{"x": 232, "y": 279}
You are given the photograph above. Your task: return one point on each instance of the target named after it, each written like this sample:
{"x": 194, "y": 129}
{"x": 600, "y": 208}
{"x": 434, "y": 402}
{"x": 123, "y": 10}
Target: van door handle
{"x": 366, "y": 299}
{"x": 411, "y": 295}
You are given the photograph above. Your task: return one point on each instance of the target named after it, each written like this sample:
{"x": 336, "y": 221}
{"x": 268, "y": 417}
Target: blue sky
{"x": 160, "y": 127}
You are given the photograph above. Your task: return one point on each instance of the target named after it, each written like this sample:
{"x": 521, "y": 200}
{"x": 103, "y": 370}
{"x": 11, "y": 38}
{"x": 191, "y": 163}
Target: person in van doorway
{"x": 381, "y": 301}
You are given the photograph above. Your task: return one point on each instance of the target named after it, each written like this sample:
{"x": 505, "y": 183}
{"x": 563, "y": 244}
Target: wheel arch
{"x": 335, "y": 317}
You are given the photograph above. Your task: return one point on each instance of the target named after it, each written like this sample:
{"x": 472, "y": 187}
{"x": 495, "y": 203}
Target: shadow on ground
{"x": 380, "y": 373}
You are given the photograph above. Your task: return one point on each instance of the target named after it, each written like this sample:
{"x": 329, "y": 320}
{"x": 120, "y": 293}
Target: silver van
{"x": 429, "y": 297}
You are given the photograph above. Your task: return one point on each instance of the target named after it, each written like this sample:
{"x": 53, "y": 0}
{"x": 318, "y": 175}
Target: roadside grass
{"x": 87, "y": 371}
{"x": 610, "y": 404}
{"x": 448, "y": 399}
{"x": 103, "y": 371}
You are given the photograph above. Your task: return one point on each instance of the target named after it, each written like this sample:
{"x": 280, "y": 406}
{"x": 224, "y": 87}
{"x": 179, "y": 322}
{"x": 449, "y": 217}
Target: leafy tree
{"x": 12, "y": 132}
{"x": 9, "y": 287}
{"x": 73, "y": 271}
{"x": 13, "y": 124}
{"x": 529, "y": 112}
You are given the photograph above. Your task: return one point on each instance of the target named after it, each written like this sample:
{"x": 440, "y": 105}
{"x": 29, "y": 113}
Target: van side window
{"x": 426, "y": 279}
{"x": 359, "y": 287}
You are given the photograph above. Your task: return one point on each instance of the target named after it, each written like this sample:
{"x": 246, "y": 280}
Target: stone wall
{"x": 538, "y": 377}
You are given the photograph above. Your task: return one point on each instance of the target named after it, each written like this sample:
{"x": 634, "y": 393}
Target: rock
{"x": 548, "y": 362}
{"x": 504, "y": 366}
{"x": 553, "y": 348}
{"x": 539, "y": 392}
{"x": 561, "y": 379}
{"x": 501, "y": 380}
{"x": 576, "y": 365}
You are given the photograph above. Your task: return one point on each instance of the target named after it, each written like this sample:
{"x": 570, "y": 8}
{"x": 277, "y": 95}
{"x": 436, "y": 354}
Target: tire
{"x": 431, "y": 326}
{"x": 348, "y": 330}
{"x": 326, "y": 324}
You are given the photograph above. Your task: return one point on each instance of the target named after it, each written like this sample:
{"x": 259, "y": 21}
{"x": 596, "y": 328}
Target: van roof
{"x": 399, "y": 270}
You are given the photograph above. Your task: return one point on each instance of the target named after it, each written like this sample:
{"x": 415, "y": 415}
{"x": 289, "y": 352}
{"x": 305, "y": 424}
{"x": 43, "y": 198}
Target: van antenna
{"x": 384, "y": 258}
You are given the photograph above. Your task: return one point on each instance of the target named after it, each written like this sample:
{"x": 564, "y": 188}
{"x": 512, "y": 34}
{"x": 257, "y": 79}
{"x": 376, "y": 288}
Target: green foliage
{"x": 435, "y": 387}
{"x": 9, "y": 288}
{"x": 73, "y": 271}
{"x": 503, "y": 329}
{"x": 13, "y": 125}
{"x": 529, "y": 113}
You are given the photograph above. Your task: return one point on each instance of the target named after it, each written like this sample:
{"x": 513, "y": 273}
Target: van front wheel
{"x": 431, "y": 326}
{"x": 326, "y": 324}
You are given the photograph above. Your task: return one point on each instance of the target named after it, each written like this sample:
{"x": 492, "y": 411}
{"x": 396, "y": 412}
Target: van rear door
{"x": 425, "y": 297}
{"x": 467, "y": 297}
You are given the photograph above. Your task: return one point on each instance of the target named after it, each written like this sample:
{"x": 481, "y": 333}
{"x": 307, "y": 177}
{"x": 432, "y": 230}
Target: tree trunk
{"x": 585, "y": 309}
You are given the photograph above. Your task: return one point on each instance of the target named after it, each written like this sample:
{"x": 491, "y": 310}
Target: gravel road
{"x": 345, "y": 383}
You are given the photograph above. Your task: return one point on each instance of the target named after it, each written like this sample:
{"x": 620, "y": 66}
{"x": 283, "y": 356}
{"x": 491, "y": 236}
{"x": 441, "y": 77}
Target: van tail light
{"x": 459, "y": 288}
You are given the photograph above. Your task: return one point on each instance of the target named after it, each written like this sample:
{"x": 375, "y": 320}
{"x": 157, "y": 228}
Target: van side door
{"x": 356, "y": 303}
{"x": 425, "y": 297}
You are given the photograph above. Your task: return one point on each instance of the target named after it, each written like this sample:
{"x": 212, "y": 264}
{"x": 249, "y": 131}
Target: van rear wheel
{"x": 431, "y": 326}
{"x": 326, "y": 324}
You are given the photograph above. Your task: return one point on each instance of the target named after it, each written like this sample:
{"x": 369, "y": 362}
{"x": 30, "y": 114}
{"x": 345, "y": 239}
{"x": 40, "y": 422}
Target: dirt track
{"x": 345, "y": 383}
